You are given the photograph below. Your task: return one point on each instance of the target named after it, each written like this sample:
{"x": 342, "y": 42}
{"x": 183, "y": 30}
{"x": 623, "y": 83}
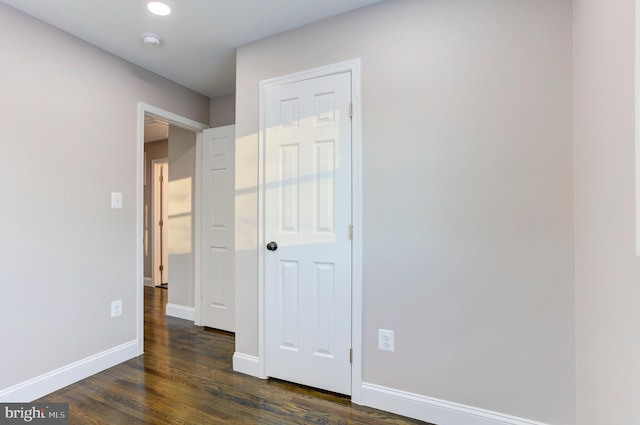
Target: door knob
{"x": 272, "y": 246}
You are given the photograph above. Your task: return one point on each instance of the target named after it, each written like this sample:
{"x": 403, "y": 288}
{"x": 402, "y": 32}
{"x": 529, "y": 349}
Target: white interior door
{"x": 217, "y": 203}
{"x": 307, "y": 145}
{"x": 160, "y": 182}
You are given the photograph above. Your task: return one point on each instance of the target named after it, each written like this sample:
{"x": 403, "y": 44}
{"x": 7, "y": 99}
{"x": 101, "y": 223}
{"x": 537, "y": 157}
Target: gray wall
{"x": 607, "y": 269}
{"x": 468, "y": 213}
{"x": 223, "y": 110}
{"x": 68, "y": 129}
{"x": 180, "y": 215}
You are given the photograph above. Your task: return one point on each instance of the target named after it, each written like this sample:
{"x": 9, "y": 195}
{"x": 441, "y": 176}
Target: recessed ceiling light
{"x": 158, "y": 8}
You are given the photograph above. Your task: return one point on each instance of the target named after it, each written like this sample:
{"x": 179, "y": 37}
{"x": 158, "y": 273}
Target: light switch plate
{"x": 116, "y": 199}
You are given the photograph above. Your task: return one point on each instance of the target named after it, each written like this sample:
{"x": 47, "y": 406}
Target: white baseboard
{"x": 181, "y": 312}
{"x": 148, "y": 281}
{"x": 249, "y": 365}
{"x": 49, "y": 382}
{"x": 432, "y": 410}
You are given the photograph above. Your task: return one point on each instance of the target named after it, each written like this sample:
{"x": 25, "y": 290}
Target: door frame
{"x": 189, "y": 124}
{"x": 352, "y": 66}
{"x": 156, "y": 199}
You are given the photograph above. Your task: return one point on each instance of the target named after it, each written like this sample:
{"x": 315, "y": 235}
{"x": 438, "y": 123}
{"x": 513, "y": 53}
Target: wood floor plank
{"x": 186, "y": 377}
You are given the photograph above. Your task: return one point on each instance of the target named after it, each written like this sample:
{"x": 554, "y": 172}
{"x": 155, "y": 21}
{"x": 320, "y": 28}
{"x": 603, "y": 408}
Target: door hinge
{"x": 350, "y": 355}
{"x": 161, "y": 178}
{"x": 351, "y": 110}
{"x": 351, "y": 232}
{"x": 161, "y": 223}
{"x": 161, "y": 268}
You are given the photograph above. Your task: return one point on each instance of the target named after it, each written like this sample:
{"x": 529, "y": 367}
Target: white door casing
{"x": 308, "y": 214}
{"x": 217, "y": 215}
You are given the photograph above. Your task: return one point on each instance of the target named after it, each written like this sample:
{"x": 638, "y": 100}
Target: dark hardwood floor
{"x": 185, "y": 377}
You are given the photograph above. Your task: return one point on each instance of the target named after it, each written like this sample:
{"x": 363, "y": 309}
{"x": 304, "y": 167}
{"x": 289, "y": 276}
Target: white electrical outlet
{"x": 386, "y": 340}
{"x": 116, "y": 308}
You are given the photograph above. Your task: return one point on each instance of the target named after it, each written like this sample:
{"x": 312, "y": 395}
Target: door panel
{"x": 288, "y": 312}
{"x": 217, "y": 194}
{"x": 307, "y": 144}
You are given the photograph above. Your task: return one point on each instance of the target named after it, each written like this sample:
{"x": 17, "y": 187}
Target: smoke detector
{"x": 150, "y": 39}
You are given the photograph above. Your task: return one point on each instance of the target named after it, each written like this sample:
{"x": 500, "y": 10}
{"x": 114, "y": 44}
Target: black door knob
{"x": 272, "y": 246}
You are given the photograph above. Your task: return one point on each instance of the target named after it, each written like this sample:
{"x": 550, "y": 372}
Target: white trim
{"x": 356, "y": 253}
{"x": 140, "y": 229}
{"x": 433, "y": 410}
{"x": 173, "y": 119}
{"x": 148, "y": 281}
{"x": 352, "y": 66}
{"x": 197, "y": 229}
{"x": 637, "y": 123}
{"x": 177, "y": 120}
{"x": 54, "y": 380}
{"x": 249, "y": 365}
{"x": 181, "y": 311}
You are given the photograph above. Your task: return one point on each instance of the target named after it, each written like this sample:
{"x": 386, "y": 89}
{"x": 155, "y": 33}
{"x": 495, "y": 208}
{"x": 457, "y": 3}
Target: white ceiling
{"x": 200, "y": 36}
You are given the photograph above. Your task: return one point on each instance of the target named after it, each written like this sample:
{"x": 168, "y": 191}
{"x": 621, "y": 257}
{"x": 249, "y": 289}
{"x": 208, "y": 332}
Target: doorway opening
{"x": 156, "y": 147}
{"x": 156, "y": 134}
{"x": 148, "y": 114}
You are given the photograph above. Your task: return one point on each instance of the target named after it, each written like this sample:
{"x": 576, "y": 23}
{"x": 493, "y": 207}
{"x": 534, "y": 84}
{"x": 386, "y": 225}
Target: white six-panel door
{"x": 307, "y": 213}
{"x": 217, "y": 210}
